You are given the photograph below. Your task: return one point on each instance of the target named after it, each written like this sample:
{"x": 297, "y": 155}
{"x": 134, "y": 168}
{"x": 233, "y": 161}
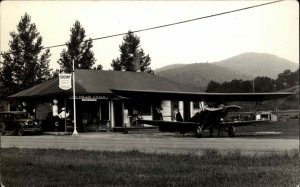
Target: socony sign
{"x": 65, "y": 81}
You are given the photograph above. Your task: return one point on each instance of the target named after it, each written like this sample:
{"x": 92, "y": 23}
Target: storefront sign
{"x": 90, "y": 97}
{"x": 65, "y": 81}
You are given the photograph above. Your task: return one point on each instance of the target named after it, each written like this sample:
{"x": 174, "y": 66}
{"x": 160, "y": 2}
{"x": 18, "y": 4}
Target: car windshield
{"x": 20, "y": 116}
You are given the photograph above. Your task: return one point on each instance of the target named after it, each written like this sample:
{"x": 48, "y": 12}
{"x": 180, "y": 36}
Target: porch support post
{"x": 111, "y": 113}
{"x": 180, "y": 108}
{"x": 123, "y": 115}
{"x": 192, "y": 109}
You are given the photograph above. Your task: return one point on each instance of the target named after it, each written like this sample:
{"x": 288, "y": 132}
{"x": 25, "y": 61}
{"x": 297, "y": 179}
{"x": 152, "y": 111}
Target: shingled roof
{"x": 102, "y": 82}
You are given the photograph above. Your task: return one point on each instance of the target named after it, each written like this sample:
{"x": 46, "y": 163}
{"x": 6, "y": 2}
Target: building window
{"x": 196, "y": 105}
{"x": 145, "y": 109}
{"x": 175, "y": 105}
{"x": 140, "y": 108}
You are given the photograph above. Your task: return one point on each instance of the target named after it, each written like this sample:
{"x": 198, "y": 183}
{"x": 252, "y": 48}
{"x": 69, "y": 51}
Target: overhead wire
{"x": 170, "y": 24}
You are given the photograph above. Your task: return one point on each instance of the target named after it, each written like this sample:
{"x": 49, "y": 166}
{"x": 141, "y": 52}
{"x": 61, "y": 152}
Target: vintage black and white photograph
{"x": 149, "y": 93}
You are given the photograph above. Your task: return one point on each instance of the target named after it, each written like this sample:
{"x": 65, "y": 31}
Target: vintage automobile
{"x": 18, "y": 122}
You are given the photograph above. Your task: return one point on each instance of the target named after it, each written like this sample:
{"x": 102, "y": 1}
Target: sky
{"x": 272, "y": 29}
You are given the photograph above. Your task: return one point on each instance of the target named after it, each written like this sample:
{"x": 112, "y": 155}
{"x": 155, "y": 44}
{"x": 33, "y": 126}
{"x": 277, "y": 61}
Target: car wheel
{"x": 20, "y": 131}
{"x": 231, "y": 131}
{"x": 2, "y": 129}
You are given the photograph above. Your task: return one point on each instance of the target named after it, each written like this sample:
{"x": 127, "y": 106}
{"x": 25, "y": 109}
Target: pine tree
{"x": 132, "y": 56}
{"x": 24, "y": 64}
{"x": 78, "y": 49}
{"x": 98, "y": 67}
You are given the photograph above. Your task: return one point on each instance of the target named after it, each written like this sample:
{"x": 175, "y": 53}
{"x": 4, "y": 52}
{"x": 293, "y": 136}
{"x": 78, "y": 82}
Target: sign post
{"x": 65, "y": 84}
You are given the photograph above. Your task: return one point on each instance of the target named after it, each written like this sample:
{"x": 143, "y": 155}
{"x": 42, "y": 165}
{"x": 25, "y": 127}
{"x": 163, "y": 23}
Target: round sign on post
{"x": 65, "y": 81}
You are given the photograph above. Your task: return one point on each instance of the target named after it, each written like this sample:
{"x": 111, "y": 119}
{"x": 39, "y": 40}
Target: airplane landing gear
{"x": 211, "y": 131}
{"x": 231, "y": 131}
{"x": 198, "y": 132}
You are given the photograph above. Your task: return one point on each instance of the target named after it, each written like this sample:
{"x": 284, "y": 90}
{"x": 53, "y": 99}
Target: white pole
{"x": 74, "y": 101}
{"x": 65, "y": 115}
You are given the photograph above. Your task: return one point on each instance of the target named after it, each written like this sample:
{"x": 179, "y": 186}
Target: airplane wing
{"x": 199, "y": 119}
{"x": 192, "y": 96}
{"x": 170, "y": 126}
{"x": 243, "y": 123}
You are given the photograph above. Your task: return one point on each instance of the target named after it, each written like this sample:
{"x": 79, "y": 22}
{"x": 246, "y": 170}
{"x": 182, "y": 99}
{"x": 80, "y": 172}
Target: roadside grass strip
{"x": 59, "y": 167}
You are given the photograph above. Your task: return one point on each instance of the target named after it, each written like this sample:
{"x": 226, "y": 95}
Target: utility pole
{"x": 74, "y": 101}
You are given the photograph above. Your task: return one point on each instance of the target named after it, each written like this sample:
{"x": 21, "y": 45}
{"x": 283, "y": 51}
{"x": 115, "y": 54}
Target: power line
{"x": 171, "y": 24}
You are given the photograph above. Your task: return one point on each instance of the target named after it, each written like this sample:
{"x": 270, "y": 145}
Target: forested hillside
{"x": 200, "y": 74}
{"x": 246, "y": 66}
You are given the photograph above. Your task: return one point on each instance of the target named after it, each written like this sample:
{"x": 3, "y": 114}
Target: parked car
{"x": 18, "y": 122}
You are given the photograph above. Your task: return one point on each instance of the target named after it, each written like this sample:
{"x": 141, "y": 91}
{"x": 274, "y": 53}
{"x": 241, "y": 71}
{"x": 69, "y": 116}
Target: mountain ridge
{"x": 258, "y": 64}
{"x": 245, "y": 66}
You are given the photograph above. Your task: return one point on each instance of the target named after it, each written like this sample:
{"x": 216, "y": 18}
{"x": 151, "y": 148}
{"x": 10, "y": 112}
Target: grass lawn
{"x": 287, "y": 130}
{"x": 53, "y": 167}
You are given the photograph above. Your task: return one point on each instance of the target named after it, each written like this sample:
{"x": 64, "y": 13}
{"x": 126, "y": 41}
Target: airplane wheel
{"x": 198, "y": 132}
{"x": 231, "y": 131}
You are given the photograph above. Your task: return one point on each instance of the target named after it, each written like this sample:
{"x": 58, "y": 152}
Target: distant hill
{"x": 245, "y": 66}
{"x": 258, "y": 64}
{"x": 200, "y": 74}
{"x": 168, "y": 67}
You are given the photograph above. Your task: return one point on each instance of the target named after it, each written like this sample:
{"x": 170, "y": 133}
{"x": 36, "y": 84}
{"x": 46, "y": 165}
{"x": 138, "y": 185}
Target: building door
{"x": 104, "y": 112}
{"x": 174, "y": 109}
{"x": 186, "y": 110}
{"x": 118, "y": 113}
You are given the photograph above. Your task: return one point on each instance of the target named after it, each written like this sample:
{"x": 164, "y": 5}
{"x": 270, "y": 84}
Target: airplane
{"x": 207, "y": 118}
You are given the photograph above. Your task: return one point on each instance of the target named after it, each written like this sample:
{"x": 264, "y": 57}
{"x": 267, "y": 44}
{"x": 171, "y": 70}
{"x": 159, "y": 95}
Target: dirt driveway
{"x": 156, "y": 142}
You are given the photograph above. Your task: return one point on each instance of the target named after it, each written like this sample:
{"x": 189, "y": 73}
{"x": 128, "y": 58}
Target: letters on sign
{"x": 65, "y": 81}
{"x": 90, "y": 97}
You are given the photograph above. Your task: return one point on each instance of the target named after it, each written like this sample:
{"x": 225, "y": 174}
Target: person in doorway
{"x": 55, "y": 118}
{"x": 24, "y": 107}
{"x": 126, "y": 117}
{"x": 178, "y": 116}
{"x": 159, "y": 115}
{"x": 139, "y": 117}
{"x": 136, "y": 116}
{"x": 63, "y": 114}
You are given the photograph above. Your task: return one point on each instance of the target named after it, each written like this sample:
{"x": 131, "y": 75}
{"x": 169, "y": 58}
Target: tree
{"x": 132, "y": 56}
{"x": 98, "y": 67}
{"x": 213, "y": 87}
{"x": 234, "y": 86}
{"x": 296, "y": 76}
{"x": 78, "y": 49}
{"x": 246, "y": 86}
{"x": 264, "y": 84}
{"x": 24, "y": 64}
{"x": 284, "y": 80}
